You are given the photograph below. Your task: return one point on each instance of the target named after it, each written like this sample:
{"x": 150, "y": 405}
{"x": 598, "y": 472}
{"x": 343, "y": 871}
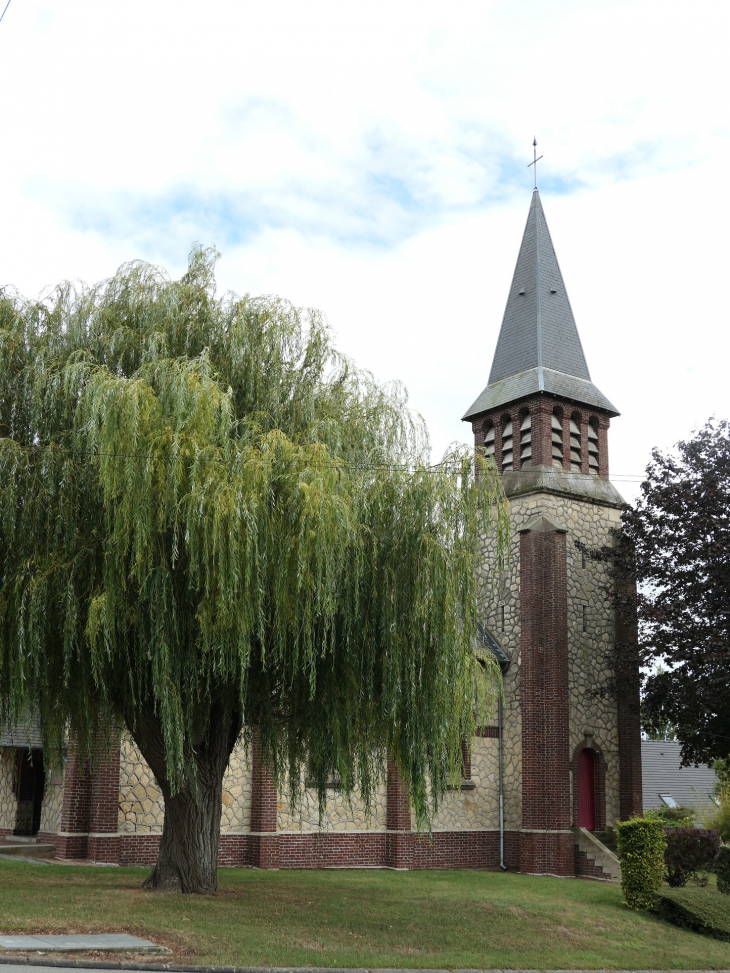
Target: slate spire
{"x": 538, "y": 349}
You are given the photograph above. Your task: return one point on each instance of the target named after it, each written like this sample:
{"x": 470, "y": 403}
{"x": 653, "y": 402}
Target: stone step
{"x": 28, "y": 849}
{"x": 597, "y": 853}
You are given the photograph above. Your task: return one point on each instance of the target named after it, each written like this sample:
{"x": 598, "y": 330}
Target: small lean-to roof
{"x": 538, "y": 349}
{"x": 662, "y": 773}
{"x": 22, "y": 736}
{"x": 487, "y": 641}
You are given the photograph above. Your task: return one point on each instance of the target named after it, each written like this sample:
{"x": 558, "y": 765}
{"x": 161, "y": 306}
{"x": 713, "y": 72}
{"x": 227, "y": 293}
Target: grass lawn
{"x": 359, "y": 918}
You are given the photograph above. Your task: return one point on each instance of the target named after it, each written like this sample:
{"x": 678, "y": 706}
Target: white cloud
{"x": 371, "y": 161}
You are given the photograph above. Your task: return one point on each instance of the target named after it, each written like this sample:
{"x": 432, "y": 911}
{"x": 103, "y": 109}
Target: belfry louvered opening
{"x": 526, "y": 440}
{"x": 575, "y": 446}
{"x": 507, "y": 461}
{"x": 593, "y": 446}
{"x": 557, "y": 438}
{"x": 489, "y": 440}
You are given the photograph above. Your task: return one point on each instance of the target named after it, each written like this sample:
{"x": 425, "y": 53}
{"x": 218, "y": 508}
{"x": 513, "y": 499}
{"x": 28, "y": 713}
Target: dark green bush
{"x": 641, "y": 845}
{"x": 689, "y": 851}
{"x": 701, "y": 910}
{"x": 722, "y": 869}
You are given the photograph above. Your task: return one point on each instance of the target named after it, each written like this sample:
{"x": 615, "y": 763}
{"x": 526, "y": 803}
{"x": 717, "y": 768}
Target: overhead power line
{"x": 436, "y": 468}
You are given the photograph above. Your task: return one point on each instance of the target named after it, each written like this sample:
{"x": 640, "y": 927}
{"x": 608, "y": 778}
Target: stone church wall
{"x": 591, "y": 708}
{"x": 338, "y": 818}
{"x": 8, "y": 800}
{"x": 52, "y": 802}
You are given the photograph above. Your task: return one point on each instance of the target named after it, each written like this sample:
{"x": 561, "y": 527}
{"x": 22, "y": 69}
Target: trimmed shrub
{"x": 689, "y": 851}
{"x": 701, "y": 910}
{"x": 722, "y": 869}
{"x": 673, "y": 817}
{"x": 641, "y": 845}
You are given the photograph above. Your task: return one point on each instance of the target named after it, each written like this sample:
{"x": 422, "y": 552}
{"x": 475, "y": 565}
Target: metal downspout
{"x": 501, "y": 787}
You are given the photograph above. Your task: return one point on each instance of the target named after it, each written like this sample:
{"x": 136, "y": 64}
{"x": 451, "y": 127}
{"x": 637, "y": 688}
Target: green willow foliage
{"x": 203, "y": 507}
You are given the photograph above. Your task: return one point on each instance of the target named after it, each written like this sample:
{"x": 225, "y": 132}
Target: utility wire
{"x": 436, "y": 468}
{"x": 3, "y": 13}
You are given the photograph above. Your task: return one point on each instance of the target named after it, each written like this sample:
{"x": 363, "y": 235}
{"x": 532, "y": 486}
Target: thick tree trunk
{"x": 187, "y": 860}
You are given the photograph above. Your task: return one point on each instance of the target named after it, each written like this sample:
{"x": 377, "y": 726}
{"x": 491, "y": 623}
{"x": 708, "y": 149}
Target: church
{"x": 562, "y": 761}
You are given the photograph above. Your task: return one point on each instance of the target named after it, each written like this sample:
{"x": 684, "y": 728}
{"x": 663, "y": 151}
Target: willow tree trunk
{"x": 187, "y": 860}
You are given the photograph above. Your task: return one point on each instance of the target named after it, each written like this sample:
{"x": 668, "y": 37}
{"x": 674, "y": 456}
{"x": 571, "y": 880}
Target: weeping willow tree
{"x": 211, "y": 522}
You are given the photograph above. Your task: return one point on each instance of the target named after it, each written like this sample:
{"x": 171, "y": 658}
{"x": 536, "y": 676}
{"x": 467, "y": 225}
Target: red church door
{"x": 586, "y": 790}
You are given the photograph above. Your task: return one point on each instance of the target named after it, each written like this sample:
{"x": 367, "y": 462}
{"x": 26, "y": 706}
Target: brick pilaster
{"x": 265, "y": 847}
{"x": 604, "y": 424}
{"x": 629, "y": 707}
{"x": 399, "y": 835}
{"x": 104, "y": 805}
{"x": 547, "y": 841}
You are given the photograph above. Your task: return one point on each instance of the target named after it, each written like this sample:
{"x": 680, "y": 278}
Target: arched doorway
{"x": 587, "y": 790}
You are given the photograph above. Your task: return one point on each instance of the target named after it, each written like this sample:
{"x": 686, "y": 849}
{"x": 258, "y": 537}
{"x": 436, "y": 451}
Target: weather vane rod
{"x": 535, "y": 160}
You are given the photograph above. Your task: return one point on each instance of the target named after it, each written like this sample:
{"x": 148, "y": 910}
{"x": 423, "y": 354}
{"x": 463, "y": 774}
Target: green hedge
{"x": 722, "y": 868}
{"x": 702, "y": 910}
{"x": 641, "y": 845}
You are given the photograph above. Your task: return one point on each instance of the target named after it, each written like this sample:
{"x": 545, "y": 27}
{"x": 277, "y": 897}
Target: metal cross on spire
{"x": 535, "y": 160}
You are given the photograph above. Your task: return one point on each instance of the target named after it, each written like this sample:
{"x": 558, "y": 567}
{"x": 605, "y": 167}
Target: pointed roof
{"x": 538, "y": 349}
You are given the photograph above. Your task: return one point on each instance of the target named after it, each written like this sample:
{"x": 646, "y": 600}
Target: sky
{"x": 370, "y": 160}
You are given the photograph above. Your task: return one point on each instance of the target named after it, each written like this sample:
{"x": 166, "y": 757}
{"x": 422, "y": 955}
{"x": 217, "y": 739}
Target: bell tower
{"x": 546, "y": 425}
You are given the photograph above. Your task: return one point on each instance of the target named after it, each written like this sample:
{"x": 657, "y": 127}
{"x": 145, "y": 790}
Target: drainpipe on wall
{"x": 501, "y": 787}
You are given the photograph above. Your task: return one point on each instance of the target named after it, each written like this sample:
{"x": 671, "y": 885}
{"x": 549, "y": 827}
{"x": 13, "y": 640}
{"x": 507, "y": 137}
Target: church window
{"x": 507, "y": 462}
{"x": 526, "y": 440}
{"x": 557, "y": 438}
{"x": 489, "y": 440}
{"x": 593, "y": 446}
{"x": 575, "y": 446}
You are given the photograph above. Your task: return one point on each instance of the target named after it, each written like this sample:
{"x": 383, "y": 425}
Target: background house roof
{"x": 661, "y": 773}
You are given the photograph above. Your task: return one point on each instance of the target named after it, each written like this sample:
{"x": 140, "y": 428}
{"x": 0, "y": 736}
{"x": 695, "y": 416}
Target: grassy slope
{"x": 360, "y": 918}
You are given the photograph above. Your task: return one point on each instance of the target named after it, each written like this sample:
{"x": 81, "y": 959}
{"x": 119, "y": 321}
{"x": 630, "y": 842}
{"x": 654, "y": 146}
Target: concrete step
{"x": 27, "y": 849}
{"x": 598, "y": 854}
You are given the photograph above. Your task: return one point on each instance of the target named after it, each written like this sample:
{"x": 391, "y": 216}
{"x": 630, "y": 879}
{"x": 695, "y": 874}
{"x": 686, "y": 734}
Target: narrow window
{"x": 489, "y": 440}
{"x": 507, "y": 463}
{"x": 526, "y": 440}
{"x": 593, "y": 446}
{"x": 502, "y": 617}
{"x": 585, "y": 619}
{"x": 557, "y": 436}
{"x": 574, "y": 446}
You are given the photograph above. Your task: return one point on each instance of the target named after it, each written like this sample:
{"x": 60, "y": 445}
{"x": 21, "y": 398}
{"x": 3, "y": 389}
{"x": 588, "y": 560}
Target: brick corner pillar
{"x": 265, "y": 845}
{"x": 547, "y": 840}
{"x": 399, "y": 834}
{"x": 72, "y": 840}
{"x": 104, "y": 842}
{"x": 629, "y": 706}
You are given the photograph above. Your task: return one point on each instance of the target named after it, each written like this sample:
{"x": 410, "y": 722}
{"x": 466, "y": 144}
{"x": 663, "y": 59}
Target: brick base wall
{"x": 547, "y": 853}
{"x": 444, "y": 849}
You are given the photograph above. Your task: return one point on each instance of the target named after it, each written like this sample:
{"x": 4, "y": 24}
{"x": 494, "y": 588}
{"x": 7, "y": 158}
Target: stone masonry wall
{"x": 590, "y": 708}
{"x": 141, "y": 806}
{"x": 8, "y": 800}
{"x": 339, "y": 817}
{"x": 52, "y": 802}
{"x": 478, "y": 808}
